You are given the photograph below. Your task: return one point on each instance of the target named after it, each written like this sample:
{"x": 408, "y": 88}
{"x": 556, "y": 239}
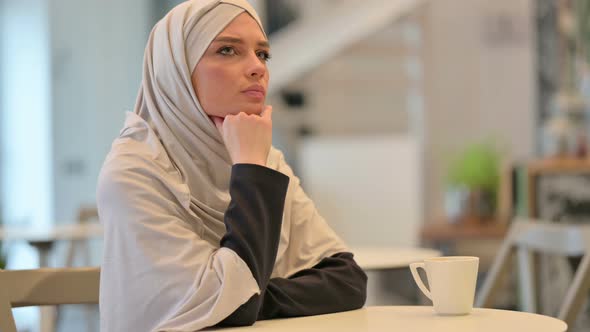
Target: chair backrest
{"x": 529, "y": 236}
{"x": 86, "y": 216}
{"x": 20, "y": 288}
{"x": 551, "y": 238}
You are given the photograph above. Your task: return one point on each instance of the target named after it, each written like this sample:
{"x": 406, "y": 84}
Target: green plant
{"x": 476, "y": 168}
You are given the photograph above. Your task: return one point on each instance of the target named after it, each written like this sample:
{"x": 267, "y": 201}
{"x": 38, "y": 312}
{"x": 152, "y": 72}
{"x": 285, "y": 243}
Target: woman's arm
{"x": 335, "y": 284}
{"x": 253, "y": 222}
{"x": 317, "y": 273}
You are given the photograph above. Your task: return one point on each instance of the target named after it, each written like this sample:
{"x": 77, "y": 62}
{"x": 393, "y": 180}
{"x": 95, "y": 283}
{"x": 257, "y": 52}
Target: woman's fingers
{"x": 267, "y": 112}
{"x": 247, "y": 137}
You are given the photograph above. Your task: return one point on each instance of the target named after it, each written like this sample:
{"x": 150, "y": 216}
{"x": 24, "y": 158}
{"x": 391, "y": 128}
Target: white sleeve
{"x": 158, "y": 274}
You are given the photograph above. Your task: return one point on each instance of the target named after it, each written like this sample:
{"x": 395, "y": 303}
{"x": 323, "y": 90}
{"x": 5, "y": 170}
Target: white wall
{"x": 25, "y": 96}
{"x": 367, "y": 188}
{"x": 479, "y": 82}
{"x": 25, "y": 112}
{"x": 97, "y": 52}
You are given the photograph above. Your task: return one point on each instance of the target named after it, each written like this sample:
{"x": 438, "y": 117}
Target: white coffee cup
{"x": 452, "y": 282}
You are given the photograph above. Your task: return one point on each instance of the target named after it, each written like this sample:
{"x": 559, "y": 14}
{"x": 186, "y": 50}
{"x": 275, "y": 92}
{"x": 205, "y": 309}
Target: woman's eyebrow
{"x": 234, "y": 40}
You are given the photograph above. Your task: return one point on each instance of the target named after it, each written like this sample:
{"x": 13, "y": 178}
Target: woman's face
{"x": 232, "y": 76}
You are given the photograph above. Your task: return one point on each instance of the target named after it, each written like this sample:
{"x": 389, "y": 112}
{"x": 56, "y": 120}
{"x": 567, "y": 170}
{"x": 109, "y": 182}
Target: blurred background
{"x": 411, "y": 122}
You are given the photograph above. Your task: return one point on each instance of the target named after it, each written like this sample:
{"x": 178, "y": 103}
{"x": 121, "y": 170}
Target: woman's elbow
{"x": 360, "y": 289}
{"x": 361, "y": 298}
{"x": 239, "y": 320}
{"x": 245, "y": 315}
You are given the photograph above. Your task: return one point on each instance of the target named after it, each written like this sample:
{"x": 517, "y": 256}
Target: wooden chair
{"x": 85, "y": 215}
{"x": 528, "y": 238}
{"x": 21, "y": 288}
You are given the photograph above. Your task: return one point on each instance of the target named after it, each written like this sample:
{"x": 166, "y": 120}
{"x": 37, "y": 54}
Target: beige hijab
{"x": 163, "y": 191}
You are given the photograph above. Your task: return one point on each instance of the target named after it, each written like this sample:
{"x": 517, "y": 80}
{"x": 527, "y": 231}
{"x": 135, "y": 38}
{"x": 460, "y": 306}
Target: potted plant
{"x": 472, "y": 183}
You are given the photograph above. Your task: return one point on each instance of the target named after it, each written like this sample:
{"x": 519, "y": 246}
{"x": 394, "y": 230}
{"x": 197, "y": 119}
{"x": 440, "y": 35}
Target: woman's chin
{"x": 248, "y": 108}
{"x": 253, "y": 108}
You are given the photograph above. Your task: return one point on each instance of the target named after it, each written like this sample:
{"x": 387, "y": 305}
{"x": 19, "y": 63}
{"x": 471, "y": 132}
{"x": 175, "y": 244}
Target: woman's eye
{"x": 264, "y": 56}
{"x": 227, "y": 51}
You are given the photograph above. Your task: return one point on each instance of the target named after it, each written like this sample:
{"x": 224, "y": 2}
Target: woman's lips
{"x": 254, "y": 94}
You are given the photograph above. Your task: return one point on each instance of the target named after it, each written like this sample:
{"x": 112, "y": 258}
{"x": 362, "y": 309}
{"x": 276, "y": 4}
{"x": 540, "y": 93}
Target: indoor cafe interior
{"x": 446, "y": 142}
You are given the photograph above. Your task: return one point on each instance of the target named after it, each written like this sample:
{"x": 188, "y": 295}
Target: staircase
{"x": 308, "y": 42}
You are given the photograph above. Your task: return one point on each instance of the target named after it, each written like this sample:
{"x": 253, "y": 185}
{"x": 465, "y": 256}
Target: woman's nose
{"x": 256, "y": 67}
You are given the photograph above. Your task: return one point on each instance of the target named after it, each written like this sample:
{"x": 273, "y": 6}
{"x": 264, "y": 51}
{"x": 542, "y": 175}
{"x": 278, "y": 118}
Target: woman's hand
{"x": 247, "y": 137}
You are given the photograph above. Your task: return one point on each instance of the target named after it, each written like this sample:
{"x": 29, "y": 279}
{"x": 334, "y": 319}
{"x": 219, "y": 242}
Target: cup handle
{"x": 414, "y": 269}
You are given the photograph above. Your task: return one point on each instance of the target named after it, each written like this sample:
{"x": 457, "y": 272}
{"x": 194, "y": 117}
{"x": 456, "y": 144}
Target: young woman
{"x": 205, "y": 223}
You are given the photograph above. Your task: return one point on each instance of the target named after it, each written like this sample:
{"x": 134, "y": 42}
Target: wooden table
{"x": 470, "y": 229}
{"x": 445, "y": 235}
{"x": 43, "y": 238}
{"x": 73, "y": 231}
{"x": 411, "y": 319}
